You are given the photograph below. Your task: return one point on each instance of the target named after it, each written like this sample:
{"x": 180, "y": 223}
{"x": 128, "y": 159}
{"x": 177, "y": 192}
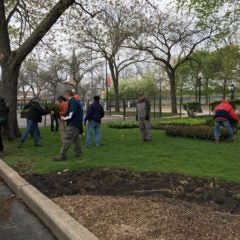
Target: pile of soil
{"x": 219, "y": 195}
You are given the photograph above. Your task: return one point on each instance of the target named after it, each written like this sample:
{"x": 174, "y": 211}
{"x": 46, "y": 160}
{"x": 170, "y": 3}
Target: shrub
{"x": 195, "y": 132}
{"x": 191, "y": 108}
{"x": 235, "y": 103}
{"x": 162, "y": 125}
{"x": 123, "y": 125}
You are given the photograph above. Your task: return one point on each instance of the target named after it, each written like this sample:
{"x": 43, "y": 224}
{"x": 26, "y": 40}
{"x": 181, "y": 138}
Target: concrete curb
{"x": 62, "y": 225}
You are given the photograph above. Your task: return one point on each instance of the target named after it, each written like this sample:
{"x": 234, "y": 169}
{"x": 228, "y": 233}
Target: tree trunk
{"x": 117, "y": 100}
{"x": 114, "y": 74}
{"x": 172, "y": 80}
{"x": 224, "y": 88}
{"x": 10, "y": 83}
{"x": 207, "y": 92}
{"x": 11, "y": 61}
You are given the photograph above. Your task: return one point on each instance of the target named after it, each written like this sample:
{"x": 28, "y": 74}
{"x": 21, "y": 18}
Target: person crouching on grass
{"x": 224, "y": 116}
{"x": 143, "y": 112}
{"x": 73, "y": 118}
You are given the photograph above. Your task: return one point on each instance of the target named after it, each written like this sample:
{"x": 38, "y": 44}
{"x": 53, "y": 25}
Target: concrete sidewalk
{"x": 17, "y": 222}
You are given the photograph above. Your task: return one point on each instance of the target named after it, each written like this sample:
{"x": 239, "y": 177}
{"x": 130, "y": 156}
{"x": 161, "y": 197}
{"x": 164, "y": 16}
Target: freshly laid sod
{"x": 123, "y": 149}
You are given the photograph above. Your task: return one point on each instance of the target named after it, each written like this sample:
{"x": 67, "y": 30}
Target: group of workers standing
{"x": 70, "y": 119}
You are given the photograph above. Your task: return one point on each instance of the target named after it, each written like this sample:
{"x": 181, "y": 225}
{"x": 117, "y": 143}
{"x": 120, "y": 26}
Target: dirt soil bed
{"x": 219, "y": 196}
{"x": 125, "y": 205}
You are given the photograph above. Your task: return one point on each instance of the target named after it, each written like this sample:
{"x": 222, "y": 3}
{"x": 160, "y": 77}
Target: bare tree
{"x": 170, "y": 40}
{"x": 107, "y": 34}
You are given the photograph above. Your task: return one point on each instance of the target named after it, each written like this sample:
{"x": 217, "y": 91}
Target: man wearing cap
{"x": 73, "y": 118}
{"x": 143, "y": 116}
{"x": 34, "y": 116}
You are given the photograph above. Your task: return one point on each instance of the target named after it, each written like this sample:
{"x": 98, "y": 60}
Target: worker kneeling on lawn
{"x": 224, "y": 116}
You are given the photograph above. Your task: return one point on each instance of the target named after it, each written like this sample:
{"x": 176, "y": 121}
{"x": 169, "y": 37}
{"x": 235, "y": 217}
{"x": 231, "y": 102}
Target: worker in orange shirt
{"x": 63, "y": 106}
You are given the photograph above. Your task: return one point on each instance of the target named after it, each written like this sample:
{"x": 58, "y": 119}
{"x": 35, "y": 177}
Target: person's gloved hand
{"x": 147, "y": 117}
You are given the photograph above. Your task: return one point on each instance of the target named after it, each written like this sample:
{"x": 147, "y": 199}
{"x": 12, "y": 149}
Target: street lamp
{"x": 232, "y": 90}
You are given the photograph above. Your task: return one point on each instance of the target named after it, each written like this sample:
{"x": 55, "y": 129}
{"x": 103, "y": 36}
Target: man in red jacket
{"x": 224, "y": 116}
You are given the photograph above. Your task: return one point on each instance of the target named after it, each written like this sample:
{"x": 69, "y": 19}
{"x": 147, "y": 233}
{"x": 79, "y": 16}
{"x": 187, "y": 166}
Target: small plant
{"x": 191, "y": 108}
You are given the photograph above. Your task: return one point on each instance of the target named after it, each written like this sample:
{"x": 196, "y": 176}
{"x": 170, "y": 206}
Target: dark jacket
{"x": 35, "y": 111}
{"x": 74, "y": 115}
{"x": 95, "y": 112}
{"x": 4, "y": 111}
{"x": 143, "y": 109}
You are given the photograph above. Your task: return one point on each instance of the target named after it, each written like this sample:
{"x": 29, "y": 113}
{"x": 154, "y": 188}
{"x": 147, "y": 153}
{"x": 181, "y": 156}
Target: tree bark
{"x": 115, "y": 80}
{"x": 224, "y": 88}
{"x": 172, "y": 80}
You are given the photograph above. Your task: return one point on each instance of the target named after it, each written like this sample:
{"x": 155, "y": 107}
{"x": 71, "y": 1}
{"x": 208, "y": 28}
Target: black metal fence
{"x": 159, "y": 106}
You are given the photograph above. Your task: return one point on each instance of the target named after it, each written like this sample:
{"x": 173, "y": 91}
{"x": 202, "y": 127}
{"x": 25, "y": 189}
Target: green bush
{"x": 162, "y": 125}
{"x": 191, "y": 108}
{"x": 123, "y": 125}
{"x": 235, "y": 103}
{"x": 195, "y": 132}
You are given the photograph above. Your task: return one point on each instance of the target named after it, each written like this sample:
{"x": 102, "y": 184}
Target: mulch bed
{"x": 219, "y": 195}
{"x": 149, "y": 218}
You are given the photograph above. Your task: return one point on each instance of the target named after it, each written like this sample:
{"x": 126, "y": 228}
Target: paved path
{"x": 16, "y": 220}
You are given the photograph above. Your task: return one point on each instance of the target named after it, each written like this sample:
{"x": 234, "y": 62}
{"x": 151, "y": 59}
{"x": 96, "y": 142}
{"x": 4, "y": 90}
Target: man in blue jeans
{"x": 95, "y": 113}
{"x": 34, "y": 116}
{"x": 74, "y": 119}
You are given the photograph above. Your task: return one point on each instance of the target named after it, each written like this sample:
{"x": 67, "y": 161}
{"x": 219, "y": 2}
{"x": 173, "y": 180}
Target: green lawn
{"x": 124, "y": 149}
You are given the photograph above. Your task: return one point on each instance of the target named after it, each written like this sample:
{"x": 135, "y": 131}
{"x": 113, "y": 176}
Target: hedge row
{"x": 123, "y": 125}
{"x": 163, "y": 124}
{"x": 202, "y": 132}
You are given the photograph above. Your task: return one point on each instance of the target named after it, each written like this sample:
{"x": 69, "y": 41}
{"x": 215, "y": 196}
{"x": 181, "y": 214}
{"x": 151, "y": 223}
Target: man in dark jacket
{"x": 34, "y": 116}
{"x": 224, "y": 116}
{"x": 143, "y": 112}
{"x": 74, "y": 119}
{"x": 95, "y": 113}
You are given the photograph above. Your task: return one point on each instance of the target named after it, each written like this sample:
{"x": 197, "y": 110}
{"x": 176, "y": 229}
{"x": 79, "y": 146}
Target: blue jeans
{"x": 217, "y": 130}
{"x": 31, "y": 127}
{"x": 92, "y": 125}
